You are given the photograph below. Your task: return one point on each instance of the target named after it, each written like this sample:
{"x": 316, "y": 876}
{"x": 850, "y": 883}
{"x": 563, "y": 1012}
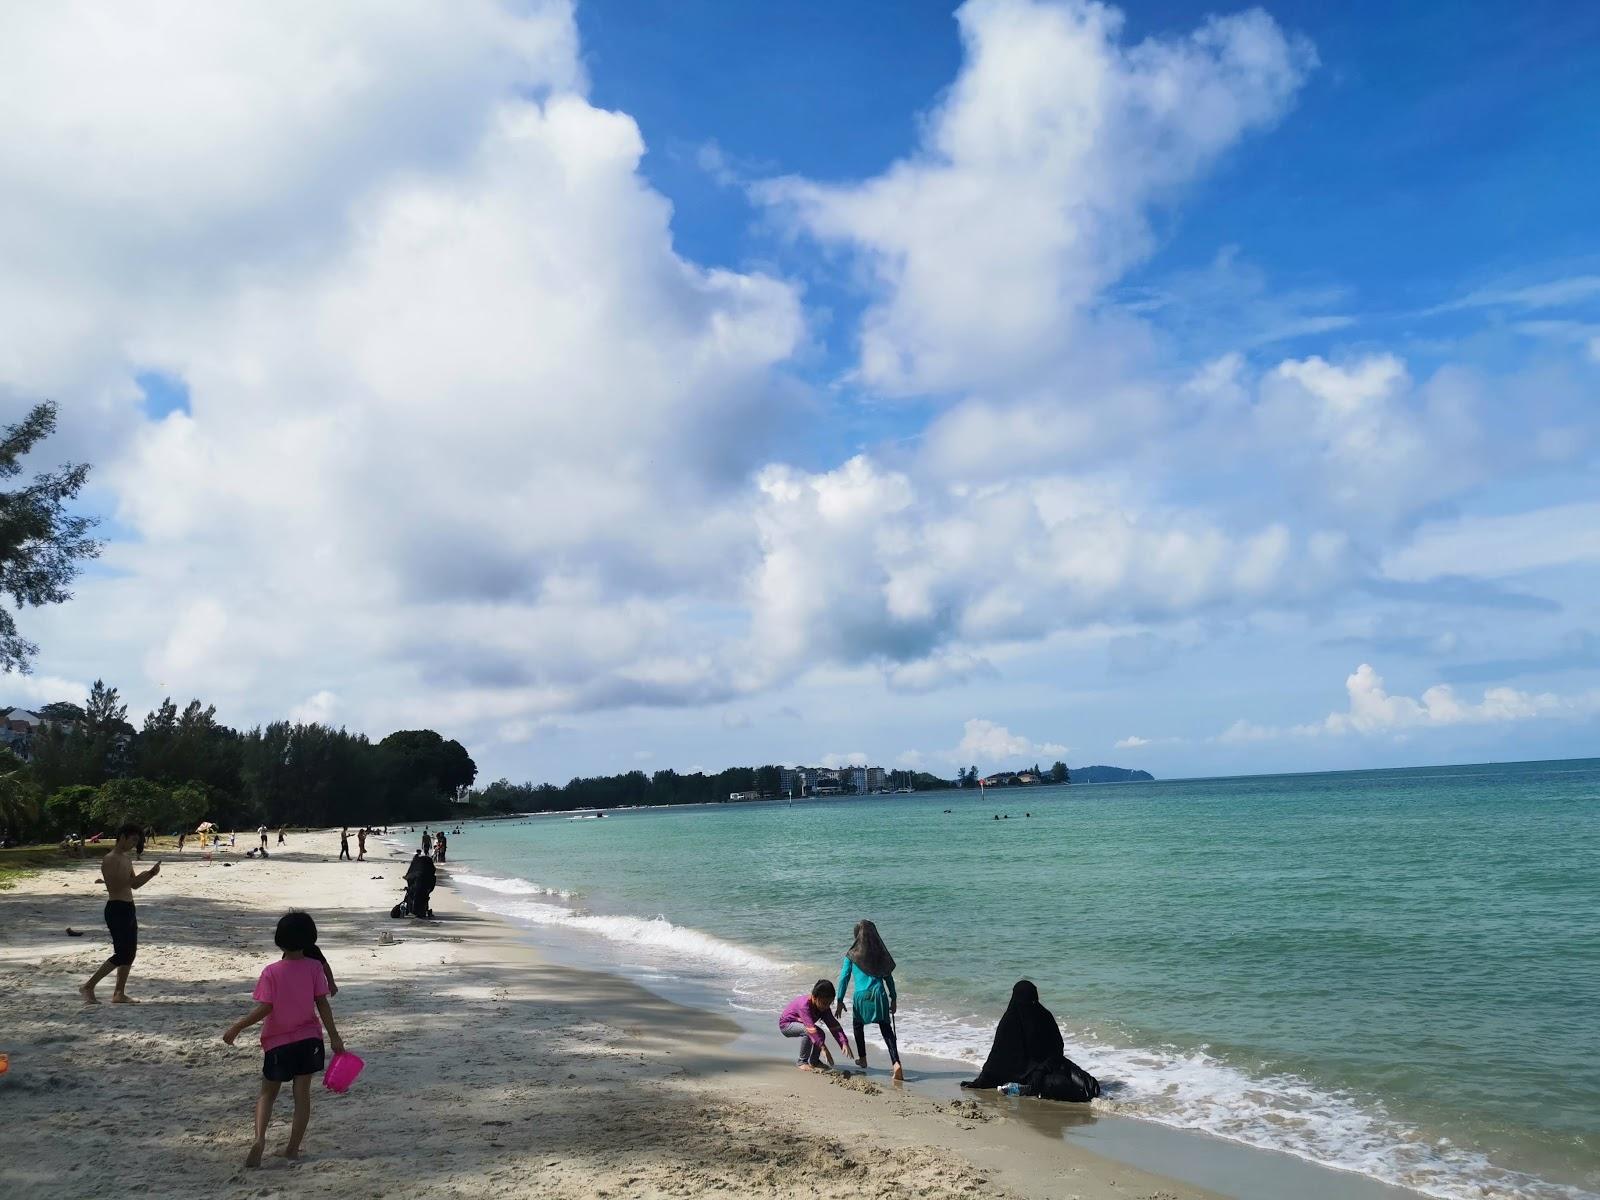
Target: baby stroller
{"x": 420, "y": 881}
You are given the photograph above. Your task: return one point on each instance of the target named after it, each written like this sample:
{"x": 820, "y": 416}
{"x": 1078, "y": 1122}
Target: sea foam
{"x": 654, "y": 935}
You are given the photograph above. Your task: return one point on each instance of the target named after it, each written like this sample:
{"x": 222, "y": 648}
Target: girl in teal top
{"x": 869, "y": 966}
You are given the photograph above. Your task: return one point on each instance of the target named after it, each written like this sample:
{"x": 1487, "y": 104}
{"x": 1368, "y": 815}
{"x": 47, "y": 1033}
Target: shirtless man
{"x": 117, "y": 871}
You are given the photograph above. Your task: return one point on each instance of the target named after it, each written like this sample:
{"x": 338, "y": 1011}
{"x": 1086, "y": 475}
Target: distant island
{"x": 1110, "y": 775}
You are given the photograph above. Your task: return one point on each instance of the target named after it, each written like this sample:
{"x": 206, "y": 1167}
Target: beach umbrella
{"x": 204, "y": 826}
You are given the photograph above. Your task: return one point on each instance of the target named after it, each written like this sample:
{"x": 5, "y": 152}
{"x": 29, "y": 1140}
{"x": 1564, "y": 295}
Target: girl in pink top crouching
{"x": 800, "y": 1019}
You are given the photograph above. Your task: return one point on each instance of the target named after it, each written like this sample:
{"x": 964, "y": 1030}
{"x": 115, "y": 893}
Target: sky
{"x": 613, "y": 387}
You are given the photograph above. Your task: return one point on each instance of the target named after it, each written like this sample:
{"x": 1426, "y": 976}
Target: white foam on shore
{"x": 509, "y": 887}
{"x": 654, "y": 935}
{"x": 1182, "y": 1089}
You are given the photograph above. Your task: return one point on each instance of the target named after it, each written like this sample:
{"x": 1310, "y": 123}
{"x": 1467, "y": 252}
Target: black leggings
{"x": 885, "y": 1027}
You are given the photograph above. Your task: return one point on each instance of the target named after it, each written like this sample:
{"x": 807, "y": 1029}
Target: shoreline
{"x": 492, "y": 1070}
{"x": 1182, "y": 1157}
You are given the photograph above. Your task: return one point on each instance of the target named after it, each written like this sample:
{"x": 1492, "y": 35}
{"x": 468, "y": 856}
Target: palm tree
{"x": 19, "y": 801}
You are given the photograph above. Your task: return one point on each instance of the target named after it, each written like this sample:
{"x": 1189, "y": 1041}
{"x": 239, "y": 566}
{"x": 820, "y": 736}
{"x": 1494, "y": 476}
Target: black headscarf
{"x": 1026, "y": 1037}
{"x": 868, "y": 951}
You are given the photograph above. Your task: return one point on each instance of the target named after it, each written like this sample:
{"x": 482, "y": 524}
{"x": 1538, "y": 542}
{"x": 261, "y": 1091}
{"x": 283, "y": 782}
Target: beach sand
{"x": 490, "y": 1071}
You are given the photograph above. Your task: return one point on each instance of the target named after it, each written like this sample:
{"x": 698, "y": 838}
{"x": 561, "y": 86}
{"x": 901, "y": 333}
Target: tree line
{"x": 659, "y": 788}
{"x": 1058, "y": 773}
{"x": 89, "y": 770}
{"x": 632, "y": 787}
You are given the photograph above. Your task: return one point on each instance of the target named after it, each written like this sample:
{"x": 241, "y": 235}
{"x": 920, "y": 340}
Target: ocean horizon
{"x": 1381, "y": 972}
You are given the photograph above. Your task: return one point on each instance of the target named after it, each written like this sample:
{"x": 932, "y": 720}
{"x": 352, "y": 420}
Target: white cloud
{"x": 1553, "y": 293}
{"x": 1028, "y": 194}
{"x": 1374, "y": 710}
{"x": 454, "y": 398}
{"x": 938, "y": 671}
{"x": 1244, "y": 732}
{"x": 930, "y": 568}
{"x": 318, "y": 709}
{"x": 1359, "y": 438}
{"x": 24, "y": 691}
{"x": 1132, "y": 742}
{"x": 855, "y": 758}
{"x": 985, "y": 742}
{"x": 1498, "y": 546}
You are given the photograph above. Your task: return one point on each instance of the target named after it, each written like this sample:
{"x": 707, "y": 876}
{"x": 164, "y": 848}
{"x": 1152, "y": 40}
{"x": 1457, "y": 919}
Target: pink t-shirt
{"x": 291, "y": 986}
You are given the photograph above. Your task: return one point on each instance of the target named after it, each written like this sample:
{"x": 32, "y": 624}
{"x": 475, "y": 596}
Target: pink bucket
{"x": 342, "y": 1071}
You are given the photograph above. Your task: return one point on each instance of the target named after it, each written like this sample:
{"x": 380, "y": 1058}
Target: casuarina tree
{"x": 42, "y": 543}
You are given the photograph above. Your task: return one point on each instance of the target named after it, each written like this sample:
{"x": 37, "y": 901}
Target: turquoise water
{"x": 1393, "y": 972}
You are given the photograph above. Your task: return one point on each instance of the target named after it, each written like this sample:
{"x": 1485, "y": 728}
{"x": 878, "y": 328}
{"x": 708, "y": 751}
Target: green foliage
{"x": 67, "y": 810}
{"x": 120, "y": 801}
{"x": 63, "y": 710}
{"x": 42, "y": 543}
{"x": 1059, "y": 773}
{"x": 105, "y": 713}
{"x": 187, "y": 806}
{"x": 19, "y": 796}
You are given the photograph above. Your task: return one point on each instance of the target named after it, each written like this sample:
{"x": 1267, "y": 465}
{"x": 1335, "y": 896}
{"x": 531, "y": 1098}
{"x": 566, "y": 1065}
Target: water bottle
{"x": 1012, "y": 1089}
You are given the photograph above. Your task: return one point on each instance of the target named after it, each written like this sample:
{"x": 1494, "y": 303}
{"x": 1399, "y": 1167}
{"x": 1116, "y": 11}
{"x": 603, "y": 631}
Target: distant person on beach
{"x": 869, "y": 966}
{"x": 116, "y": 870}
{"x": 361, "y": 844}
{"x": 427, "y": 841}
{"x": 292, "y": 998}
{"x": 439, "y": 847}
{"x": 263, "y": 832}
{"x": 1028, "y": 1051}
{"x": 800, "y": 1019}
{"x": 182, "y": 834}
{"x": 344, "y": 844}
{"x": 138, "y": 847}
{"x": 280, "y": 835}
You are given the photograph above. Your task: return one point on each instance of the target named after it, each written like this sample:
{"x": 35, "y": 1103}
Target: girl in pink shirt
{"x": 292, "y": 998}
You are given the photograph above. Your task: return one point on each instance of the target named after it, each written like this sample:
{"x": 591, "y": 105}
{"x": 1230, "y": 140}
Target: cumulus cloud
{"x": 854, "y": 758}
{"x": 1374, "y": 710}
{"x": 453, "y": 395}
{"x": 930, "y": 564}
{"x": 1132, "y": 742}
{"x": 319, "y": 708}
{"x": 986, "y": 742}
{"x": 1030, "y": 190}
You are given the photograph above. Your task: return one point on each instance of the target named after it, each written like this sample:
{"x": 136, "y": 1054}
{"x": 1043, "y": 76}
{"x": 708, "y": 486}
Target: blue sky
{"x": 915, "y": 383}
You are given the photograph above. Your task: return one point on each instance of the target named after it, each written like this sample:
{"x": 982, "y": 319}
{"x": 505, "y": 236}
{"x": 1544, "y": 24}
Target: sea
{"x": 1390, "y": 973}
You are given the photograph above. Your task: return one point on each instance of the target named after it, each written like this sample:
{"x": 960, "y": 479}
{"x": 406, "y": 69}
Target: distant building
{"x": 824, "y": 781}
{"x": 20, "y": 720}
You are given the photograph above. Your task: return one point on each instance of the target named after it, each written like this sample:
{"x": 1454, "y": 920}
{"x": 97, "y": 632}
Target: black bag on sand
{"x": 399, "y": 910}
{"x": 1061, "y": 1080}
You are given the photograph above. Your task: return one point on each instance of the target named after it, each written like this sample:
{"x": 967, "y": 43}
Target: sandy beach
{"x": 490, "y": 1071}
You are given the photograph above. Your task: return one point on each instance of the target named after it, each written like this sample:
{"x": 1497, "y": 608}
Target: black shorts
{"x": 124, "y": 927}
{"x": 282, "y": 1063}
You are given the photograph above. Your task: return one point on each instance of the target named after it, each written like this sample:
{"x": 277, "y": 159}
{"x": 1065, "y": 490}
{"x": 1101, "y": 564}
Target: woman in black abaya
{"x": 1028, "y": 1050}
